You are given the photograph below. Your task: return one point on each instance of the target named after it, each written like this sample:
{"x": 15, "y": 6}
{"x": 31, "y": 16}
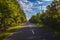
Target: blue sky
{"x": 31, "y": 7}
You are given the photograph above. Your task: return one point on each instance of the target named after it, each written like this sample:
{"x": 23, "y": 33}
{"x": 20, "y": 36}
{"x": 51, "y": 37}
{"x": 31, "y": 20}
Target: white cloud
{"x": 30, "y": 8}
{"x": 26, "y": 7}
{"x": 42, "y": 8}
{"x": 47, "y": 0}
{"x": 39, "y": 2}
{"x": 24, "y": 0}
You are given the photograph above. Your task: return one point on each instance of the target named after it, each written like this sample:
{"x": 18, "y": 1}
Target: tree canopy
{"x": 51, "y": 17}
{"x": 11, "y": 13}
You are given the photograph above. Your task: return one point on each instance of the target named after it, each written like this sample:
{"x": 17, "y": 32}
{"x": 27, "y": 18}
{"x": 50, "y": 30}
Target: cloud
{"x": 24, "y": 0}
{"x": 47, "y": 0}
{"x": 39, "y": 2}
{"x": 31, "y": 8}
{"x": 26, "y": 7}
{"x": 42, "y": 8}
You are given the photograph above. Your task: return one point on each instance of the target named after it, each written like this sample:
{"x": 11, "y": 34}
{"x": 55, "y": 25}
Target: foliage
{"x": 51, "y": 17}
{"x": 35, "y": 18}
{"x": 11, "y": 14}
{"x": 9, "y": 31}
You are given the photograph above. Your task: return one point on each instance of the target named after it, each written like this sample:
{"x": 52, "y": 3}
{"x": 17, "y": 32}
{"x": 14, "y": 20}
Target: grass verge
{"x": 9, "y": 31}
{"x": 49, "y": 29}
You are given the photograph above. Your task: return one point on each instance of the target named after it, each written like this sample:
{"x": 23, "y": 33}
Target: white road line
{"x": 33, "y": 32}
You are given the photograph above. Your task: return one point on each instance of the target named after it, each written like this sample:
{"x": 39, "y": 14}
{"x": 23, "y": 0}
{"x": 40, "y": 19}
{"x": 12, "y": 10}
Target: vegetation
{"x": 49, "y": 18}
{"x": 35, "y": 18}
{"x": 11, "y": 17}
{"x": 9, "y": 31}
{"x": 11, "y": 14}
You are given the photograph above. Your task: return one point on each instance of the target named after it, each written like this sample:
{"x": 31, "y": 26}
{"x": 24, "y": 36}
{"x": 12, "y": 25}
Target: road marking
{"x": 33, "y": 32}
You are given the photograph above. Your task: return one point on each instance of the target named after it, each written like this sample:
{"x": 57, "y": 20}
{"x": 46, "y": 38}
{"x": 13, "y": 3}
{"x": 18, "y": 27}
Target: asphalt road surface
{"x": 31, "y": 32}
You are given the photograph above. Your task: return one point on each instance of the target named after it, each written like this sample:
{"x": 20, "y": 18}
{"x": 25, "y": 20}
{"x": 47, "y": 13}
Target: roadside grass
{"x": 49, "y": 29}
{"x": 9, "y": 31}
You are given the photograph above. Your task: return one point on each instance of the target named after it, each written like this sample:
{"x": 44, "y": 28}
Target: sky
{"x": 32, "y": 7}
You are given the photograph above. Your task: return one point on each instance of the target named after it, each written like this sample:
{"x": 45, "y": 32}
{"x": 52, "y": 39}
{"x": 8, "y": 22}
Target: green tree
{"x": 35, "y": 18}
{"x": 10, "y": 14}
{"x": 52, "y": 16}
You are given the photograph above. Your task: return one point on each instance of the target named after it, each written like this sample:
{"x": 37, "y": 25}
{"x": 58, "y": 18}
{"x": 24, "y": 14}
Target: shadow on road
{"x": 31, "y": 33}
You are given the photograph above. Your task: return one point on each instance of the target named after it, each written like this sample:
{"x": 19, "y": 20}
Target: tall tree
{"x": 35, "y": 18}
{"x": 52, "y": 15}
{"x": 10, "y": 13}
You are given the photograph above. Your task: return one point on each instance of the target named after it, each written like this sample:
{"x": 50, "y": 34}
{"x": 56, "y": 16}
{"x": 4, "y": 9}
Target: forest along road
{"x": 31, "y": 32}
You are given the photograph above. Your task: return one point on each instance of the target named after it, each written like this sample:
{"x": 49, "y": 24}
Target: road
{"x": 31, "y": 32}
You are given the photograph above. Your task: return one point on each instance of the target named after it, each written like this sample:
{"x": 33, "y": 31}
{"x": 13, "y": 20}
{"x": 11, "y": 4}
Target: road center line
{"x": 33, "y": 32}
